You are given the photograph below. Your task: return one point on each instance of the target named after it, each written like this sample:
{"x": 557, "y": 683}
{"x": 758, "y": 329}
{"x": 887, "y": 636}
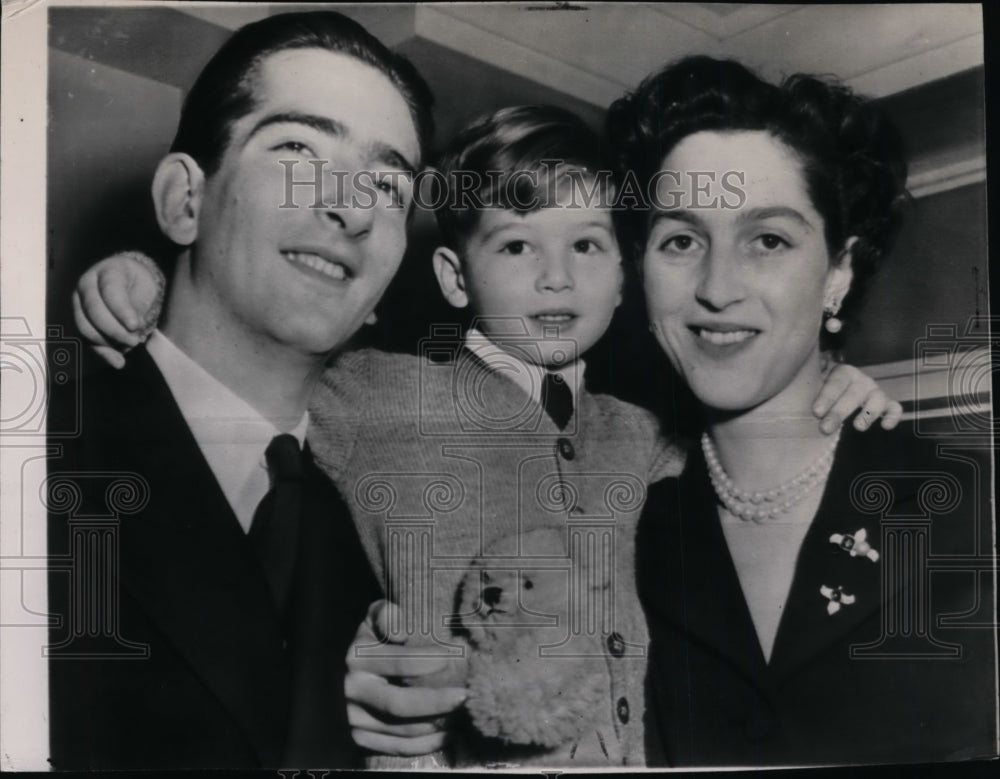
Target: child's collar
{"x": 527, "y": 376}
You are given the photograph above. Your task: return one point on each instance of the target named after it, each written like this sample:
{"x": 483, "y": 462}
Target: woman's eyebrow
{"x": 758, "y": 214}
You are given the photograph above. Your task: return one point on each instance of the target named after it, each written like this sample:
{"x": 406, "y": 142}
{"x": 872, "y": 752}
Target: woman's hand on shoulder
{"x": 848, "y": 389}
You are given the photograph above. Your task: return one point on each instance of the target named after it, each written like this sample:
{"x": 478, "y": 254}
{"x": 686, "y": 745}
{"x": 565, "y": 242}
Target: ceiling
{"x": 595, "y": 51}
{"x": 581, "y": 56}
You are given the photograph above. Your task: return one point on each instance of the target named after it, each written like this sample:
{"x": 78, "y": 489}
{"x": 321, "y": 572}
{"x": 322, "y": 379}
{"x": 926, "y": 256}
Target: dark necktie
{"x": 557, "y": 399}
{"x": 275, "y": 528}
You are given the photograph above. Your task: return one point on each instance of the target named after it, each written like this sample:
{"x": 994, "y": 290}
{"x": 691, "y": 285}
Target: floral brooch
{"x": 856, "y": 544}
{"x": 836, "y": 596}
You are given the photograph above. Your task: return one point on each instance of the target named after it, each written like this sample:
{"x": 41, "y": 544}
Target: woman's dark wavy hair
{"x": 224, "y": 91}
{"x": 495, "y": 149}
{"x": 852, "y": 155}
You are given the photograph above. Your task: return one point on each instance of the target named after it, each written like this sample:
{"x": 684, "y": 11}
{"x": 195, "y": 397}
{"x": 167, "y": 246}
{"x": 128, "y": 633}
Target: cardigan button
{"x": 622, "y": 709}
{"x": 616, "y": 644}
{"x": 566, "y": 448}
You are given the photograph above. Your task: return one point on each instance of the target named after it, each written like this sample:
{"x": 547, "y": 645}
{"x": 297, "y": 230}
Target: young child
{"x": 490, "y": 433}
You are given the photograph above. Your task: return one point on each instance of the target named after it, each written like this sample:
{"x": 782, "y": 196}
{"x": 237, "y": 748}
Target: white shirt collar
{"x": 527, "y": 376}
{"x": 231, "y": 434}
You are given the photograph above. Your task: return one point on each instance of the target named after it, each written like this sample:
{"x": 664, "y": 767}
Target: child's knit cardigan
{"x": 439, "y": 458}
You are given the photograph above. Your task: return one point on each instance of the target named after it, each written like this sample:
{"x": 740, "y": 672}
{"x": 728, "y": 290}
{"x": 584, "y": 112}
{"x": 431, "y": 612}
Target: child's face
{"x": 557, "y": 269}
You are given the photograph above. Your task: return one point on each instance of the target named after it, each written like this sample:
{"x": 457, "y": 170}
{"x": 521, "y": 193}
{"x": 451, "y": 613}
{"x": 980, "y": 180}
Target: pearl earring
{"x": 831, "y": 323}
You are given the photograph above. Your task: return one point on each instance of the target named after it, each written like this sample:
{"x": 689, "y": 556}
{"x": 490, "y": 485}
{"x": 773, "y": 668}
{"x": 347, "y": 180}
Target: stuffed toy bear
{"x": 537, "y": 679}
{"x": 539, "y": 684}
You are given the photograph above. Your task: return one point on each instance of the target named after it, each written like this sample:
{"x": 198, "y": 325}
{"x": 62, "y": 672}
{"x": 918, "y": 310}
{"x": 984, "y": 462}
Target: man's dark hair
{"x": 224, "y": 91}
{"x": 485, "y": 164}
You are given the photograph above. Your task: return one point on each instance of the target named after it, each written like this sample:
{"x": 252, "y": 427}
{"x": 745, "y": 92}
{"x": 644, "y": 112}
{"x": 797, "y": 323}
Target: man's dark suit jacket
{"x": 224, "y": 683}
{"x": 713, "y": 698}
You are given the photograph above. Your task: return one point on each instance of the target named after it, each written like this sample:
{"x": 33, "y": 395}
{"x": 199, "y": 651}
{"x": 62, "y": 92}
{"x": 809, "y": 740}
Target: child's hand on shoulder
{"x": 117, "y": 302}
{"x": 848, "y": 389}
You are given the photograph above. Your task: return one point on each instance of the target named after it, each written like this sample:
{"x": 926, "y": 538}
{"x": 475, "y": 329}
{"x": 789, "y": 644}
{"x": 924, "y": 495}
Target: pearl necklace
{"x": 767, "y": 504}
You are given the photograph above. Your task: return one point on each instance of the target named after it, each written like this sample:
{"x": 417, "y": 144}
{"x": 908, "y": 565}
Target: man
{"x": 240, "y": 577}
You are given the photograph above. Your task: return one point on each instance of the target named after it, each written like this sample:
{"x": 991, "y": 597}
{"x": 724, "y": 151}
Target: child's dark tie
{"x": 275, "y": 527}
{"x": 557, "y": 399}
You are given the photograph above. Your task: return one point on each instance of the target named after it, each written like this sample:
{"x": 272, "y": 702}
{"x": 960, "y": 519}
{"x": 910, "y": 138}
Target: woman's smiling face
{"x": 736, "y": 295}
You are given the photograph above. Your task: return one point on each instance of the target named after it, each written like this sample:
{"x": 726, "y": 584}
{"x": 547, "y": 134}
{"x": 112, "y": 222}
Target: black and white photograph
{"x": 523, "y": 387}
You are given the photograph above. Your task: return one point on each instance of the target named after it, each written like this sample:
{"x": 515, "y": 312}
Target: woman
{"x": 771, "y": 584}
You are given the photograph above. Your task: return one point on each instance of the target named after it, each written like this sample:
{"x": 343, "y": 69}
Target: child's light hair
{"x": 517, "y": 158}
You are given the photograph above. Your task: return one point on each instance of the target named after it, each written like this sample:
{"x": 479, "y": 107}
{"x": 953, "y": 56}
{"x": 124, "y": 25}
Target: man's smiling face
{"x": 301, "y": 276}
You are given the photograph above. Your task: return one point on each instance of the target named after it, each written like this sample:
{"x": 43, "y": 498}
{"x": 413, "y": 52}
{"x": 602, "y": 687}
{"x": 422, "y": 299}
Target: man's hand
{"x": 385, "y": 716}
{"x": 117, "y": 302}
{"x": 846, "y": 389}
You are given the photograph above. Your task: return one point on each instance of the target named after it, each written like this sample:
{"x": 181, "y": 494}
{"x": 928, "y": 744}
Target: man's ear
{"x": 178, "y": 187}
{"x": 839, "y": 277}
{"x": 448, "y": 269}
